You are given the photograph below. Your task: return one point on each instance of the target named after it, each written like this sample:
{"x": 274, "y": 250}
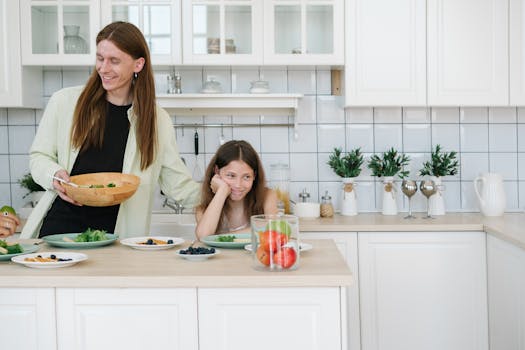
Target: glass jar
{"x": 73, "y": 43}
{"x": 280, "y": 182}
{"x": 327, "y": 209}
{"x": 275, "y": 242}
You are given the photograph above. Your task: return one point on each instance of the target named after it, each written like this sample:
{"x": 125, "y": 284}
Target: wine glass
{"x": 409, "y": 188}
{"x": 428, "y": 188}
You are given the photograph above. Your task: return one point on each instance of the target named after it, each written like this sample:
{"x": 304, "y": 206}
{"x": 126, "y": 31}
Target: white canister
{"x": 389, "y": 196}
{"x": 348, "y": 197}
{"x": 490, "y": 193}
{"x": 436, "y": 201}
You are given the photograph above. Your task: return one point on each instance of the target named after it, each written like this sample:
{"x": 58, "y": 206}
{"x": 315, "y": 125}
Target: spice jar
{"x": 327, "y": 209}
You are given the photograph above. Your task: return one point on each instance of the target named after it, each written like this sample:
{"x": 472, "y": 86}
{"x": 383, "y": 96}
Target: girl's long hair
{"x": 90, "y": 112}
{"x": 254, "y": 200}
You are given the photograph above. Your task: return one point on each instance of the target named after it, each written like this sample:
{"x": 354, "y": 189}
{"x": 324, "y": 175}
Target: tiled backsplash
{"x": 488, "y": 139}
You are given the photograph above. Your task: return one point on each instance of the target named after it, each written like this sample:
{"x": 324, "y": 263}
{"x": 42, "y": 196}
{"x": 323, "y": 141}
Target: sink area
{"x": 177, "y": 225}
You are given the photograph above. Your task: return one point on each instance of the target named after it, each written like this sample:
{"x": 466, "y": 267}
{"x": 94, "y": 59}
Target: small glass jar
{"x": 280, "y": 182}
{"x": 327, "y": 209}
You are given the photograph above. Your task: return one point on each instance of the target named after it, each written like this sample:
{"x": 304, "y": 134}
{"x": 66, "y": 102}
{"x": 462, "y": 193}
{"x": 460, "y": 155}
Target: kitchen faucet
{"x": 176, "y": 206}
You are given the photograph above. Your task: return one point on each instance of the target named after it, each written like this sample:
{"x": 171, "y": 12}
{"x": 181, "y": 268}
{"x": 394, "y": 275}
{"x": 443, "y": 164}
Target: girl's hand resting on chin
{"x": 217, "y": 184}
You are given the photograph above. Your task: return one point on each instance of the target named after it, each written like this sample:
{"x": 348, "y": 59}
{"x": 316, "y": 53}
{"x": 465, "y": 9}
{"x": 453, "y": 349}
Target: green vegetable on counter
{"x": 227, "y": 238}
{"x": 90, "y": 235}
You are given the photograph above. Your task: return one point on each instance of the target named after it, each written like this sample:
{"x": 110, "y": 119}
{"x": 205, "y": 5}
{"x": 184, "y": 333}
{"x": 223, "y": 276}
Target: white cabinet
{"x": 127, "y": 318}
{"x": 304, "y": 32}
{"x": 19, "y": 86}
{"x": 506, "y": 271}
{"x": 467, "y": 52}
{"x": 385, "y": 53}
{"x": 346, "y": 242}
{"x": 159, "y": 21}
{"x": 27, "y": 318}
{"x": 269, "y": 318}
{"x": 423, "y": 290}
{"x": 517, "y": 52}
{"x": 59, "y": 32}
{"x": 222, "y": 32}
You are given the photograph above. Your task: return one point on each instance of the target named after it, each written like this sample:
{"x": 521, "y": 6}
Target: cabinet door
{"x": 517, "y": 52}
{"x": 59, "y": 33}
{"x": 159, "y": 21}
{"x": 19, "y": 86}
{"x": 222, "y": 32}
{"x": 506, "y": 271}
{"x": 27, "y": 316}
{"x": 133, "y": 318}
{"x": 468, "y": 52}
{"x": 269, "y": 318}
{"x": 346, "y": 242}
{"x": 423, "y": 290}
{"x": 304, "y": 32}
{"x": 385, "y": 53}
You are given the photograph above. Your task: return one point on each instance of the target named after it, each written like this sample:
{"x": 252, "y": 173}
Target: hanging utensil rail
{"x": 229, "y": 125}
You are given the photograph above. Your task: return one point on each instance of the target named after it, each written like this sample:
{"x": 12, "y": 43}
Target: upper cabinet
{"x": 59, "y": 32}
{"x": 304, "y": 32}
{"x": 159, "y": 20}
{"x": 222, "y": 32}
{"x": 517, "y": 52}
{"x": 468, "y": 53}
{"x": 385, "y": 53}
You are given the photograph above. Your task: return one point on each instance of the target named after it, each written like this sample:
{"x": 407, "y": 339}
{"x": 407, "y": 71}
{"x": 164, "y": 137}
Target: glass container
{"x": 275, "y": 242}
{"x": 73, "y": 43}
{"x": 280, "y": 182}
{"x": 327, "y": 209}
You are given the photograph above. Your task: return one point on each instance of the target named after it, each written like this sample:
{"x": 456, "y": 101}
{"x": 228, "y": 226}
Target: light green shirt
{"x": 51, "y": 151}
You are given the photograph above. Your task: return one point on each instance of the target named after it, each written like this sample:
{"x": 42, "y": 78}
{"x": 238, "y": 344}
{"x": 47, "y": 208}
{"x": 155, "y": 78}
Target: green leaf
{"x": 348, "y": 165}
{"x": 440, "y": 164}
{"x": 389, "y": 164}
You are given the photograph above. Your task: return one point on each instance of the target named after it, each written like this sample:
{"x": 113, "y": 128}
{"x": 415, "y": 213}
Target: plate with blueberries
{"x": 49, "y": 260}
{"x": 152, "y": 242}
{"x": 197, "y": 253}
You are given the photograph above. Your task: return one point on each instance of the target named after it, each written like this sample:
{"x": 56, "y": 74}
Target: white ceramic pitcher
{"x": 491, "y": 194}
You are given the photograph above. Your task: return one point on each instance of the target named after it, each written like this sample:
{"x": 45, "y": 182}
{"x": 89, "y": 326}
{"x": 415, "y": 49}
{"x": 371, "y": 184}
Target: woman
{"x": 234, "y": 188}
{"x": 110, "y": 124}
{"x": 8, "y": 224}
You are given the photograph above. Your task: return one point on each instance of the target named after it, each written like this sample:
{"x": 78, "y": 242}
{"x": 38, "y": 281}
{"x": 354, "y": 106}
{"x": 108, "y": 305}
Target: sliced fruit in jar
{"x": 285, "y": 257}
{"x": 280, "y": 226}
{"x": 272, "y": 240}
{"x": 263, "y": 256}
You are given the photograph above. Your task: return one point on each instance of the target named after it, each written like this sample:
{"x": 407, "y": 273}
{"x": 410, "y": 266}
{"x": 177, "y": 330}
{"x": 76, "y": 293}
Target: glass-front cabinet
{"x": 159, "y": 20}
{"x": 304, "y": 32}
{"x": 222, "y": 32}
{"x": 59, "y": 32}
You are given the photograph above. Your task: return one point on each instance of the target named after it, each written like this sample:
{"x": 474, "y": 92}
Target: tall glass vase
{"x": 73, "y": 43}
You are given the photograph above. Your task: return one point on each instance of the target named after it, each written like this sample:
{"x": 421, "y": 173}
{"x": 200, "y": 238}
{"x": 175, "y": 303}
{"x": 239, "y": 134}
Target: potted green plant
{"x": 390, "y": 164}
{"x": 440, "y": 164}
{"x": 35, "y": 190}
{"x": 348, "y": 167}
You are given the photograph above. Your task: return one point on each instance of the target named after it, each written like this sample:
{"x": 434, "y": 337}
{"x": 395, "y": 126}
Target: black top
{"x": 64, "y": 217}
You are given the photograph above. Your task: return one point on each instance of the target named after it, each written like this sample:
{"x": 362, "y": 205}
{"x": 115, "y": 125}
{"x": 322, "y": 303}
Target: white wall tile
{"x": 212, "y": 138}
{"x": 387, "y": 115}
{"x": 324, "y": 82}
{"x": 521, "y": 167}
{"x": 38, "y": 115}
{"x": 474, "y": 137}
{"x": 416, "y": 137}
{"x": 445, "y": 114}
{"x": 307, "y": 110}
{"x": 273, "y": 158}
{"x": 274, "y": 139}
{"x": 276, "y": 77}
{"x": 302, "y": 81}
{"x": 19, "y": 165}
{"x": 330, "y": 136}
{"x": 74, "y": 77}
{"x": 521, "y": 114}
{"x": 241, "y": 80}
{"x": 366, "y": 173}
{"x": 307, "y": 140}
{"x": 387, "y": 136}
{"x": 511, "y": 194}
{"x": 303, "y": 166}
{"x": 4, "y": 168}
{"x": 360, "y": 115}
{"x": 5, "y": 194}
{"x": 521, "y": 137}
{"x": 248, "y": 134}
{"x": 3, "y": 116}
{"x": 360, "y": 135}
{"x": 504, "y": 163}
{"x": 21, "y": 116}
{"x": 447, "y": 136}
{"x": 502, "y": 115}
{"x": 4, "y": 140}
{"x": 191, "y": 80}
{"x": 20, "y": 138}
{"x": 521, "y": 198}
{"x": 416, "y": 163}
{"x": 186, "y": 139}
{"x": 473, "y": 164}
{"x": 365, "y": 196}
{"x": 325, "y": 172}
{"x": 502, "y": 138}
{"x": 469, "y": 201}
{"x": 416, "y": 115}
{"x": 452, "y": 195}
{"x": 52, "y": 81}
{"x": 328, "y": 110}
{"x": 473, "y": 115}
{"x": 17, "y": 196}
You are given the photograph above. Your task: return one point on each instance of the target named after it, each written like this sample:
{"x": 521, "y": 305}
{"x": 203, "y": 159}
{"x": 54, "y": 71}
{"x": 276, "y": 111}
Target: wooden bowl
{"x": 98, "y": 196}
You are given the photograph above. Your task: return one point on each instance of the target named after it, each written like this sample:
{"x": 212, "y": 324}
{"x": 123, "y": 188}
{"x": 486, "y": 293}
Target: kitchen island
{"x": 125, "y": 298}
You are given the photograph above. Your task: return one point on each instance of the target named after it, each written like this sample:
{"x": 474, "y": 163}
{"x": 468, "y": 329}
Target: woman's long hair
{"x": 230, "y": 151}
{"x": 90, "y": 112}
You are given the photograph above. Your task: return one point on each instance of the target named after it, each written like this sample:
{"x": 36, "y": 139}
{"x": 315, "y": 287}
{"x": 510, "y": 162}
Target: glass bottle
{"x": 327, "y": 209}
{"x": 73, "y": 43}
{"x": 280, "y": 182}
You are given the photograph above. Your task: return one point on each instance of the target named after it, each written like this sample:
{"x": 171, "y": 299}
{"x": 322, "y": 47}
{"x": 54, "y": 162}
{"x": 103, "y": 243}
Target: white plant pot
{"x": 436, "y": 201}
{"x": 348, "y": 197}
{"x": 389, "y": 196}
{"x": 35, "y": 197}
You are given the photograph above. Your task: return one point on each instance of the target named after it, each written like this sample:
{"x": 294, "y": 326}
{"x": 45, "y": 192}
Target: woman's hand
{"x": 59, "y": 189}
{"x": 217, "y": 184}
{"x": 8, "y": 224}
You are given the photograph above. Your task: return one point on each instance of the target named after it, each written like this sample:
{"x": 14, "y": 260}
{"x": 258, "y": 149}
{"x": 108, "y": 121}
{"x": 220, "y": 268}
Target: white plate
{"x": 197, "y": 257}
{"x": 75, "y": 258}
{"x": 303, "y": 247}
{"x": 135, "y": 242}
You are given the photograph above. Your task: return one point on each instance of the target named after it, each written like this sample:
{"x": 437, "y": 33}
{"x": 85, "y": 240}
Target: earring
{"x": 135, "y": 75}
